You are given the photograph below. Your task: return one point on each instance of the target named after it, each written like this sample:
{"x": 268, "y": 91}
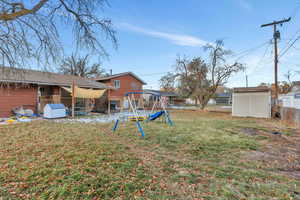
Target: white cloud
{"x": 178, "y": 39}
{"x": 245, "y": 5}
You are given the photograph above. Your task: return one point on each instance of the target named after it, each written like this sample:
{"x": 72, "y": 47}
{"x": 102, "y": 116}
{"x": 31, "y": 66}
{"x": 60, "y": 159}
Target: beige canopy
{"x": 85, "y": 93}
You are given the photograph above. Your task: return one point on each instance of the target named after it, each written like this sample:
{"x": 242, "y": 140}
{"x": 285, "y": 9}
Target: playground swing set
{"x": 138, "y": 115}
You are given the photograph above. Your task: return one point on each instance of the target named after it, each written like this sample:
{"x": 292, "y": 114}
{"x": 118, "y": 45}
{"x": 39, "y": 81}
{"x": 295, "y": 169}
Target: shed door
{"x": 255, "y": 104}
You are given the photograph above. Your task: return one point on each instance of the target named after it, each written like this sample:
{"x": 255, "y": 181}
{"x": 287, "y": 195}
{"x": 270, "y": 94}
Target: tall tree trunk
{"x": 201, "y": 102}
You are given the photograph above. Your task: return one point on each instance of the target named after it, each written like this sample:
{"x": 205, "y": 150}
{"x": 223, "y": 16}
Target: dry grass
{"x": 202, "y": 157}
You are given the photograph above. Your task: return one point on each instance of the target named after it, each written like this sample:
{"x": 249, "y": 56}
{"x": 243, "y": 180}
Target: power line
{"x": 263, "y": 56}
{"x": 296, "y": 48}
{"x": 276, "y": 36}
{"x": 241, "y": 53}
{"x": 247, "y": 51}
{"x": 294, "y": 35}
{"x": 291, "y": 39}
{"x": 265, "y": 53}
{"x": 286, "y": 49}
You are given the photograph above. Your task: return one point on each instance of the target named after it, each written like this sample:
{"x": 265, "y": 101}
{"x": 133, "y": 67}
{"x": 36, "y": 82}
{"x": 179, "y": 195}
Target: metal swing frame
{"x": 137, "y": 118}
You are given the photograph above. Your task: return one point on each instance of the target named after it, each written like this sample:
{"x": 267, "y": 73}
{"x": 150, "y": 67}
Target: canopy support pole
{"x": 73, "y": 99}
{"x": 108, "y": 108}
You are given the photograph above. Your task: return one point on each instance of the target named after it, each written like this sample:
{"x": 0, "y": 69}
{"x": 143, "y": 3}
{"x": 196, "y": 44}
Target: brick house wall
{"x": 11, "y": 97}
{"x": 26, "y": 96}
{"x": 128, "y": 83}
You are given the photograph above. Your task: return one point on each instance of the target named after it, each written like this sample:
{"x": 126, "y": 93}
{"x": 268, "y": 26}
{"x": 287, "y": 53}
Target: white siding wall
{"x": 252, "y": 104}
{"x": 289, "y": 101}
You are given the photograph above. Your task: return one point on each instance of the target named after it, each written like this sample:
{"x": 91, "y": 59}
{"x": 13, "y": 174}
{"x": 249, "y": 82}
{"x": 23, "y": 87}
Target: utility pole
{"x": 246, "y": 80}
{"x": 276, "y": 36}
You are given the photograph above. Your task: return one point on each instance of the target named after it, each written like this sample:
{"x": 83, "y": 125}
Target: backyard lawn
{"x": 204, "y": 156}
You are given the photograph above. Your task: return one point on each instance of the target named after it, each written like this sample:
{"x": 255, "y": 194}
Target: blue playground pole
{"x": 140, "y": 128}
{"x": 170, "y": 122}
{"x": 116, "y": 125}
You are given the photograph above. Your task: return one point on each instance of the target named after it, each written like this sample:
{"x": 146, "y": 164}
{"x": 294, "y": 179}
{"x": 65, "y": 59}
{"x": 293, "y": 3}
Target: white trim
{"x": 117, "y": 86}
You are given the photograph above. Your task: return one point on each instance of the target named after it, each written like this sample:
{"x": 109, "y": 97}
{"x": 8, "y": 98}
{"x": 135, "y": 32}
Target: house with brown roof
{"x": 122, "y": 83}
{"x": 33, "y": 89}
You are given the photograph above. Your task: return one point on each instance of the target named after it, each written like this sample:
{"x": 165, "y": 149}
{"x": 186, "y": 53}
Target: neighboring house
{"x": 188, "y": 101}
{"x": 123, "y": 83}
{"x": 223, "y": 95}
{"x": 251, "y": 102}
{"x": 291, "y": 99}
{"x": 223, "y": 98}
{"x": 290, "y": 104}
{"x": 151, "y": 96}
{"x": 34, "y": 89}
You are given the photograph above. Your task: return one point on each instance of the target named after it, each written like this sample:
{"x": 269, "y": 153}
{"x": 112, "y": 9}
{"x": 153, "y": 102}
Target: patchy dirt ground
{"x": 280, "y": 151}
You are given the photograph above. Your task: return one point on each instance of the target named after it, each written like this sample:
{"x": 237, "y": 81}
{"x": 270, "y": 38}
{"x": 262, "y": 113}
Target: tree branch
{"x": 22, "y": 12}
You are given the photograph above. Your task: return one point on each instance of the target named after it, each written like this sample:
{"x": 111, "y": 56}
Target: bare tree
{"x": 199, "y": 79}
{"x": 286, "y": 86}
{"x": 31, "y": 30}
{"x": 167, "y": 82}
{"x": 219, "y": 69}
{"x": 191, "y": 75}
{"x": 79, "y": 66}
{"x": 289, "y": 76}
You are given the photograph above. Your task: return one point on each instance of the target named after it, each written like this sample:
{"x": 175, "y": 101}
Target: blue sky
{"x": 151, "y": 33}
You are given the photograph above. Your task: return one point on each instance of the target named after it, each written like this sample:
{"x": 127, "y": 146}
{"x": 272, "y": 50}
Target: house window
{"x": 117, "y": 83}
{"x": 46, "y": 91}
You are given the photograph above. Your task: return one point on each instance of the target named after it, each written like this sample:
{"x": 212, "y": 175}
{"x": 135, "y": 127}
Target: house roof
{"x": 25, "y": 76}
{"x": 251, "y": 89}
{"x": 118, "y": 75}
{"x": 161, "y": 93}
{"x": 223, "y": 95}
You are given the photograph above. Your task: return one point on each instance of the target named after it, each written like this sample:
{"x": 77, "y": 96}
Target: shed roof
{"x": 14, "y": 75}
{"x": 118, "y": 75}
{"x": 251, "y": 89}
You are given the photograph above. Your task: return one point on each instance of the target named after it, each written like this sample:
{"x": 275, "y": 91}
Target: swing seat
{"x": 139, "y": 118}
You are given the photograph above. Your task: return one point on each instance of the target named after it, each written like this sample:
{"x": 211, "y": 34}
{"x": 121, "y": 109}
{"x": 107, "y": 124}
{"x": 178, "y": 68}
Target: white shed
{"x": 251, "y": 102}
{"x": 52, "y": 111}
